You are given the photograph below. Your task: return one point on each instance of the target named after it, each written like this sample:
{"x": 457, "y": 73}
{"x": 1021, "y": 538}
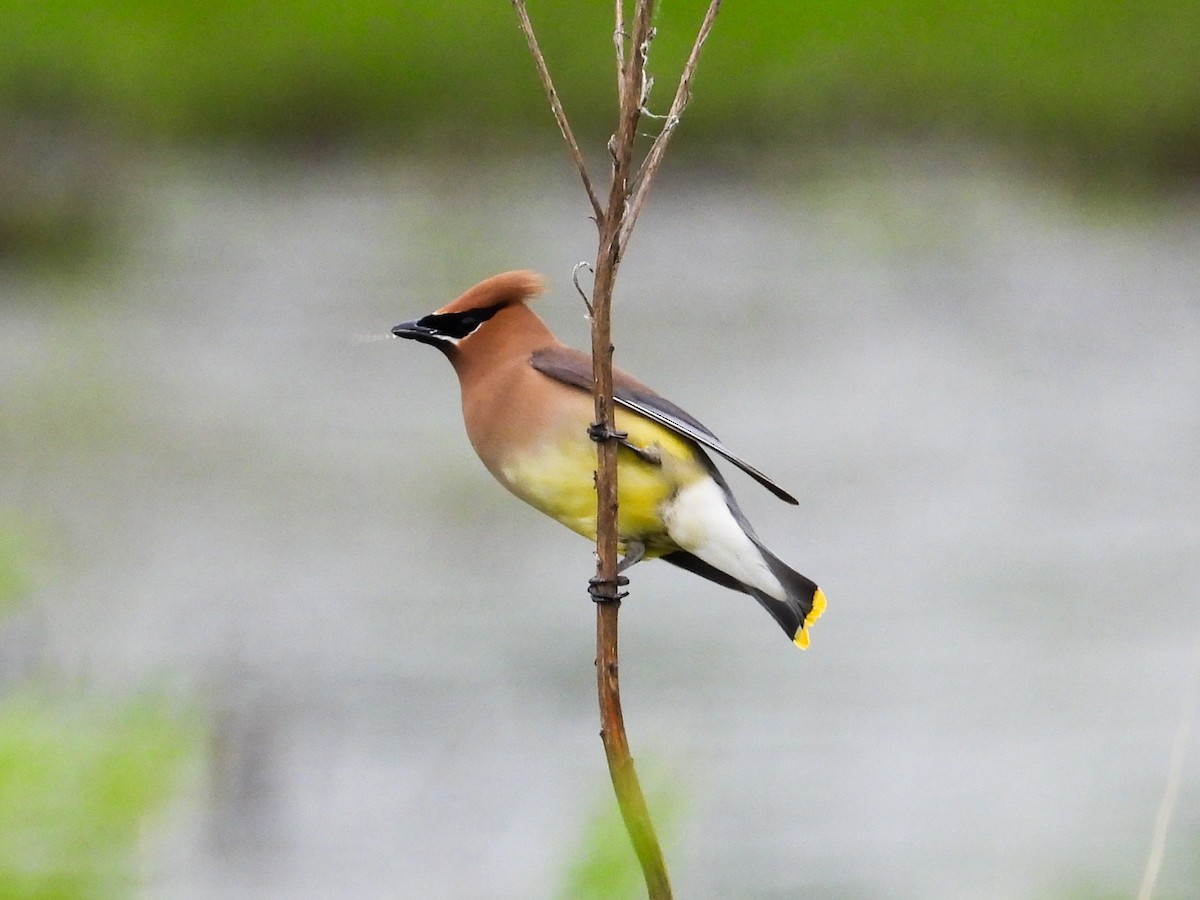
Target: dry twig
{"x": 560, "y": 115}
{"x": 683, "y": 95}
{"x": 1166, "y": 809}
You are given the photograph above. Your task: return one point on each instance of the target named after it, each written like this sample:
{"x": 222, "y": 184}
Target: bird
{"x": 527, "y": 405}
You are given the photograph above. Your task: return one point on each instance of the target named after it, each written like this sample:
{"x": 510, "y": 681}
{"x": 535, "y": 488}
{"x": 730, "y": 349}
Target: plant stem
{"x": 608, "y": 258}
{"x": 615, "y": 221}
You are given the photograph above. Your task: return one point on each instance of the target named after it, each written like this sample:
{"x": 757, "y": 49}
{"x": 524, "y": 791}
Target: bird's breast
{"x": 556, "y": 474}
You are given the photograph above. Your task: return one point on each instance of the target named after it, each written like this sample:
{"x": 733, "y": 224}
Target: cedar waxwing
{"x": 527, "y": 403}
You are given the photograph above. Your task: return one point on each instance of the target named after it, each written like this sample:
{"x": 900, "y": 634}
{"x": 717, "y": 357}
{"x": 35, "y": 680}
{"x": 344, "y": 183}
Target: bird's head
{"x": 455, "y": 322}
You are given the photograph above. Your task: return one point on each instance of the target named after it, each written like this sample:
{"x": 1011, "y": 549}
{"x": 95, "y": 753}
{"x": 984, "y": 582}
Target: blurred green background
{"x": 82, "y": 777}
{"x": 251, "y": 641}
{"x": 1094, "y": 90}
{"x": 1096, "y": 84}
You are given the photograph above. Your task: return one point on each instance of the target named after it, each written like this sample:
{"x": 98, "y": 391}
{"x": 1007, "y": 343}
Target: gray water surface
{"x": 987, "y": 399}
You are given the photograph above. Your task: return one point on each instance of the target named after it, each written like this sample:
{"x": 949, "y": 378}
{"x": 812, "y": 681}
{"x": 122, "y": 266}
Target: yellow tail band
{"x": 818, "y": 607}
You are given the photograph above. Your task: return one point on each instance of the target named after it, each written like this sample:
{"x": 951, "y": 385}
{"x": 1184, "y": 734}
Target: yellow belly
{"x": 558, "y": 478}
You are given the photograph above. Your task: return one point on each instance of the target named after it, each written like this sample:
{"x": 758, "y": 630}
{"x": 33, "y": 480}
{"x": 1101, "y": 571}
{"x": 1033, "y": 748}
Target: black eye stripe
{"x": 458, "y": 325}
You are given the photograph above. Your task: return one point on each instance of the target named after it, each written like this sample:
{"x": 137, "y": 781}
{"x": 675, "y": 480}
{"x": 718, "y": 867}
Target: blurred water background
{"x": 971, "y": 347}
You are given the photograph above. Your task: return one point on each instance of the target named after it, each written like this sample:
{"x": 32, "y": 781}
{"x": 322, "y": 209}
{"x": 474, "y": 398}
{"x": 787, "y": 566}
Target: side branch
{"x": 560, "y": 115}
{"x": 619, "y": 38}
{"x": 1166, "y": 807}
{"x": 683, "y": 95}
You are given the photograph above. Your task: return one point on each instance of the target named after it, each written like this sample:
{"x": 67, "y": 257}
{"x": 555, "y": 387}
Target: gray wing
{"x": 574, "y": 367}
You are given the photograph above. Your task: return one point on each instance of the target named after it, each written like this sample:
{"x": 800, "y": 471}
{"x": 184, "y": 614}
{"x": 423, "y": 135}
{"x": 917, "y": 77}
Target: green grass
{"x": 1107, "y": 84}
{"x": 79, "y": 780}
{"x": 603, "y": 865}
{"x": 76, "y": 785}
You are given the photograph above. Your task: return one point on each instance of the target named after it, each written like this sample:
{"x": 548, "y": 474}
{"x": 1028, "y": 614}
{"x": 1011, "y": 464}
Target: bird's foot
{"x": 599, "y": 432}
{"x": 649, "y": 455}
{"x": 635, "y": 551}
{"x": 602, "y": 590}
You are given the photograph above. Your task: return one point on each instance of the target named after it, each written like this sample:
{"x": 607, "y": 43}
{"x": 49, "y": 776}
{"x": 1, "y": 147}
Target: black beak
{"x": 415, "y": 331}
